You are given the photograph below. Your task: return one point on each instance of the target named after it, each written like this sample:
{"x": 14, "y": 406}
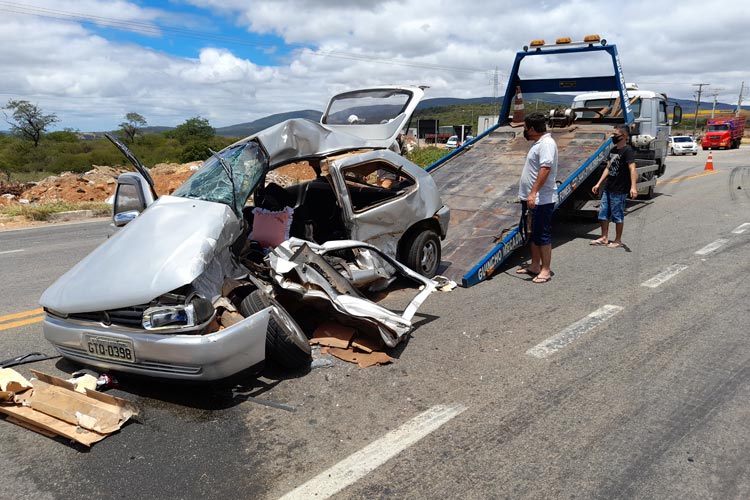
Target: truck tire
{"x": 422, "y": 253}
{"x": 286, "y": 343}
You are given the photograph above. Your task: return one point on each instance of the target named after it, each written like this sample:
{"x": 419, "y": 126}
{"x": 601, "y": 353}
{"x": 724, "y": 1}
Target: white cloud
{"x": 91, "y": 82}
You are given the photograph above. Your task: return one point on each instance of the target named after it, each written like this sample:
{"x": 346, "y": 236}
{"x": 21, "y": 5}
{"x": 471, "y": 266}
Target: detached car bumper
{"x": 174, "y": 356}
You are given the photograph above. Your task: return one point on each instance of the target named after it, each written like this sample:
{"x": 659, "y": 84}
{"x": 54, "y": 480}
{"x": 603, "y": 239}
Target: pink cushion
{"x": 271, "y": 228}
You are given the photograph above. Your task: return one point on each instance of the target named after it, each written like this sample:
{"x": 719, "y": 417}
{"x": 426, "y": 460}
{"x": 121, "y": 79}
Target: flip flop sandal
{"x": 525, "y": 270}
{"x": 599, "y": 243}
{"x": 537, "y": 279}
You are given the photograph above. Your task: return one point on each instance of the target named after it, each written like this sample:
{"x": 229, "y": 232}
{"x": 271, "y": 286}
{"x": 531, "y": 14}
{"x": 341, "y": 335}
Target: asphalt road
{"x": 626, "y": 376}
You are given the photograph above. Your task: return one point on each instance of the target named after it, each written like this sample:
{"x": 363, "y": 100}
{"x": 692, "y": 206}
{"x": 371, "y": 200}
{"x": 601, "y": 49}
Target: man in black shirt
{"x": 621, "y": 178}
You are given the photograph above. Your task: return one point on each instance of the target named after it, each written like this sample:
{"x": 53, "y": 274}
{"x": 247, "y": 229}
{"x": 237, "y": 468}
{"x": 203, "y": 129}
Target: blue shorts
{"x": 613, "y": 207}
{"x": 541, "y": 224}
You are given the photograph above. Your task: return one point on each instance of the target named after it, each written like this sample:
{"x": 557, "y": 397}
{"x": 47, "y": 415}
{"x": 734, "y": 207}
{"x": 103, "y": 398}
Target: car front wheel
{"x": 286, "y": 343}
{"x": 422, "y": 253}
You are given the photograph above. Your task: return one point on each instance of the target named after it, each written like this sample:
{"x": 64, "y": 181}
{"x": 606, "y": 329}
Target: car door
{"x": 382, "y": 195}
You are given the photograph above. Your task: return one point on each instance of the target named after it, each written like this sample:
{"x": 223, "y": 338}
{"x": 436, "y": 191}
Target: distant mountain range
{"x": 250, "y": 128}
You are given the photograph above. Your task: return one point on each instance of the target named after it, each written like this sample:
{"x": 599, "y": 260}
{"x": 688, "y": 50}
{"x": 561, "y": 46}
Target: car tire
{"x": 422, "y": 253}
{"x": 695, "y": 153}
{"x": 286, "y": 343}
{"x": 671, "y": 151}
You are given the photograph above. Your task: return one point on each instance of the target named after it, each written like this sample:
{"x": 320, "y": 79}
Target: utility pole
{"x": 739, "y": 101}
{"x": 698, "y": 103}
{"x": 715, "y": 95}
{"x": 495, "y": 92}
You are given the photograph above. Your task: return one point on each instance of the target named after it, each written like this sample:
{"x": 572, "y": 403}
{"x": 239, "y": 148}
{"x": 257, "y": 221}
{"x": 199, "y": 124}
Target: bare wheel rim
{"x": 429, "y": 256}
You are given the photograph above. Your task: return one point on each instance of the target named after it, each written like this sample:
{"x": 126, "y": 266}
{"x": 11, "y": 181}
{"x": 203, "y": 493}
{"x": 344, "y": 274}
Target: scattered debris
{"x": 26, "y": 358}
{"x": 54, "y": 407}
{"x": 363, "y": 359}
{"x": 332, "y": 334}
{"x": 444, "y": 284}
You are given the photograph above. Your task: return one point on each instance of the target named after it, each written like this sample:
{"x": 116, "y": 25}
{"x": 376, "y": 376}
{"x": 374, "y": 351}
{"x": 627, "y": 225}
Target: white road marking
{"x": 741, "y": 228}
{"x": 375, "y": 454}
{"x": 665, "y": 275}
{"x": 568, "y": 335}
{"x": 711, "y": 247}
{"x": 12, "y": 251}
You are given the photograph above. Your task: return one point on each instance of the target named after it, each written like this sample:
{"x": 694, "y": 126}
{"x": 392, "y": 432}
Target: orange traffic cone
{"x": 709, "y": 162}
{"x": 518, "y": 110}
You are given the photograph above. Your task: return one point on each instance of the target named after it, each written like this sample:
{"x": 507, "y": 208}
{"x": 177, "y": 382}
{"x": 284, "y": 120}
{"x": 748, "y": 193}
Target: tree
{"x": 132, "y": 126}
{"x": 195, "y": 129}
{"x": 28, "y": 120}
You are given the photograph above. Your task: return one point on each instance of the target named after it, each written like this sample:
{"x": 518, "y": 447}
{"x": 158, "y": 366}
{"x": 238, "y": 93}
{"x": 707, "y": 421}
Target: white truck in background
{"x": 651, "y": 126}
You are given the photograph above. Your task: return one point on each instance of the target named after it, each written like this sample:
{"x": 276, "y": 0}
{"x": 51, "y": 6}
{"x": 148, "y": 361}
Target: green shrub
{"x": 427, "y": 156}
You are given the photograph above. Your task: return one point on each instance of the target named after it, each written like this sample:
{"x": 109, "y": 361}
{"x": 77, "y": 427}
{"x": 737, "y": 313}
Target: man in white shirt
{"x": 538, "y": 193}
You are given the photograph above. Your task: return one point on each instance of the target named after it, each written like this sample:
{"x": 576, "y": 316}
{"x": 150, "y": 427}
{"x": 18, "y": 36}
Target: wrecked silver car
{"x": 191, "y": 285}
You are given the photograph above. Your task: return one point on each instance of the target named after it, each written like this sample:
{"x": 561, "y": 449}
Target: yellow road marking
{"x": 687, "y": 178}
{"x": 23, "y": 314}
{"x": 14, "y": 324}
{"x": 6, "y": 323}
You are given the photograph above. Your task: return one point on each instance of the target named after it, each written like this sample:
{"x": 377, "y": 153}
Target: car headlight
{"x": 197, "y": 312}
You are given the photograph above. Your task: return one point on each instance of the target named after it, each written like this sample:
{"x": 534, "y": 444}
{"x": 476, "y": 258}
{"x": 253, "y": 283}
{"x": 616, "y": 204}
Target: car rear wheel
{"x": 286, "y": 343}
{"x": 422, "y": 253}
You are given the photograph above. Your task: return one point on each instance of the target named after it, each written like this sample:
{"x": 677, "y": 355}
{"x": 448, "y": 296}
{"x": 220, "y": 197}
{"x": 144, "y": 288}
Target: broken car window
{"x": 248, "y": 162}
{"x": 375, "y": 182}
{"x": 367, "y": 107}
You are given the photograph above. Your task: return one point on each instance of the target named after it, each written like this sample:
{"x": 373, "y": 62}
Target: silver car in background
{"x": 183, "y": 289}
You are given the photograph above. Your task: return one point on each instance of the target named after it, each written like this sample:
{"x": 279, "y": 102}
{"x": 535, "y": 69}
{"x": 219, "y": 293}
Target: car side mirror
{"x": 124, "y": 217}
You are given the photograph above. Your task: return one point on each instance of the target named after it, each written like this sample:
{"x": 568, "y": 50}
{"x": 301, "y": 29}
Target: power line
{"x": 159, "y": 30}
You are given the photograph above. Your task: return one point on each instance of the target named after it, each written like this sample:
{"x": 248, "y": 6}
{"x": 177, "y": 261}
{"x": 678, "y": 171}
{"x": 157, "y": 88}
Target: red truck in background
{"x": 723, "y": 133}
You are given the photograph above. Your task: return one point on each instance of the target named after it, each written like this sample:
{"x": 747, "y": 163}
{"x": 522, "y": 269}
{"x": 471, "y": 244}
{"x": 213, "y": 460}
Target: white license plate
{"x": 109, "y": 348}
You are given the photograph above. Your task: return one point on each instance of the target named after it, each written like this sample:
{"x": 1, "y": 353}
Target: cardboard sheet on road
{"x": 53, "y": 406}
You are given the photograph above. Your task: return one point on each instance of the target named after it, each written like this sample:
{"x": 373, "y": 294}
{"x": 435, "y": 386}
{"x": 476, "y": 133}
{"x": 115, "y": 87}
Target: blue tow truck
{"x": 479, "y": 180}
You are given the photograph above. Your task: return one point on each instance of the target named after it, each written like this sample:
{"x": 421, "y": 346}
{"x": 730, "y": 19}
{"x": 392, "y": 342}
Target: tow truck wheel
{"x": 286, "y": 343}
{"x": 423, "y": 253}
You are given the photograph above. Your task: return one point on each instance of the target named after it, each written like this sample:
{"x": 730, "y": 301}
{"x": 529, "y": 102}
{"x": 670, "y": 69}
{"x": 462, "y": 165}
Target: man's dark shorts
{"x": 541, "y": 224}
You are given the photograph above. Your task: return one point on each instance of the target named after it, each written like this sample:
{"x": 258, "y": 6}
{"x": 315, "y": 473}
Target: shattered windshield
{"x": 211, "y": 183}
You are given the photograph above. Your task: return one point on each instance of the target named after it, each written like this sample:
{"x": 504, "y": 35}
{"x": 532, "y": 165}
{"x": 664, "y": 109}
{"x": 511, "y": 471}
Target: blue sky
{"x": 234, "y": 61}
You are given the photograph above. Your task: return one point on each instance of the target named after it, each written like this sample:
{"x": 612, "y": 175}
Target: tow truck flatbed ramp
{"x": 481, "y": 188}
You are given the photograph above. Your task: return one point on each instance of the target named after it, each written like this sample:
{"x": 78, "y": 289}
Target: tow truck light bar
{"x": 589, "y": 40}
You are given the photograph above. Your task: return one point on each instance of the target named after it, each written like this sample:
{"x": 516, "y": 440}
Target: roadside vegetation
{"x": 44, "y": 211}
{"x": 32, "y": 153}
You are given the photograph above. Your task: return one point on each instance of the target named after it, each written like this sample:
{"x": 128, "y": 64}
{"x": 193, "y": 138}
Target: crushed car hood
{"x": 168, "y": 246}
{"x": 299, "y": 138}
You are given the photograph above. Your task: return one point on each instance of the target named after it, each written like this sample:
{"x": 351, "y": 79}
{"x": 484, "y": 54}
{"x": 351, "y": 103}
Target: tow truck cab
{"x": 650, "y": 129}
